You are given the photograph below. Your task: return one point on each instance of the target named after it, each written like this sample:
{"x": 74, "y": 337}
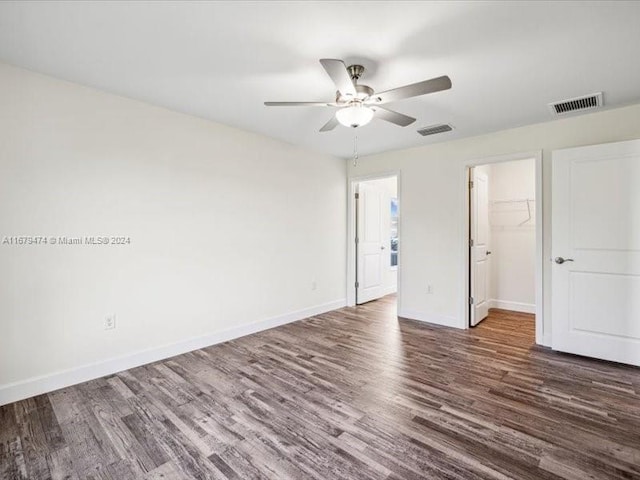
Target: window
{"x": 394, "y": 232}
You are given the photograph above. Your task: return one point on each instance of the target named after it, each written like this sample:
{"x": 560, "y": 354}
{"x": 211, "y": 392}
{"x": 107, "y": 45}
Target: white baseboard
{"x": 13, "y": 392}
{"x": 514, "y": 306}
{"x": 436, "y": 319}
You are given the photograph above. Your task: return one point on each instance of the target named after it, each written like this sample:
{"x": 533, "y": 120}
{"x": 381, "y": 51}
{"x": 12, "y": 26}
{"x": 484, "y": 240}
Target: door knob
{"x": 560, "y": 260}
{"x": 382, "y": 247}
{"x": 488, "y": 252}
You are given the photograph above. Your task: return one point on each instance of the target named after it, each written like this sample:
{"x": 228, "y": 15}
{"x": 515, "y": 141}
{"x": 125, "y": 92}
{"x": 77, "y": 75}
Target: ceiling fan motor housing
{"x": 362, "y": 93}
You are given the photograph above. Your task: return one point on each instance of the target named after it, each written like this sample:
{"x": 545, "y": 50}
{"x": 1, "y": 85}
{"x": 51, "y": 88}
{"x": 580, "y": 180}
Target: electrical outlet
{"x": 314, "y": 285}
{"x": 110, "y": 322}
{"x": 429, "y": 289}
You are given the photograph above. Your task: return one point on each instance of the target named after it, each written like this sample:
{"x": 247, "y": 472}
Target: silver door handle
{"x": 560, "y": 260}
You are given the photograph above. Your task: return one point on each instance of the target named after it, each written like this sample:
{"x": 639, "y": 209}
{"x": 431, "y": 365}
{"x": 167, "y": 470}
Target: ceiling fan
{"x": 358, "y": 104}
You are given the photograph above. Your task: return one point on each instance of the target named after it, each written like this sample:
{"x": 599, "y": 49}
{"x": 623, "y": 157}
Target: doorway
{"x": 504, "y": 244}
{"x": 374, "y": 239}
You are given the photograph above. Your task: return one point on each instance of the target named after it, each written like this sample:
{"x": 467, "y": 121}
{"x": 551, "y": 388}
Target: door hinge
{"x": 470, "y": 300}
{"x": 357, "y": 195}
{"x": 470, "y": 184}
{"x": 357, "y": 284}
{"x": 357, "y": 240}
{"x": 471, "y": 242}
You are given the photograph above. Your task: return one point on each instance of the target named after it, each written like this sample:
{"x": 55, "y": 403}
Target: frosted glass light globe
{"x": 354, "y": 116}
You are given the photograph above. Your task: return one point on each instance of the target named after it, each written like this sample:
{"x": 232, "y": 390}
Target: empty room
{"x": 325, "y": 240}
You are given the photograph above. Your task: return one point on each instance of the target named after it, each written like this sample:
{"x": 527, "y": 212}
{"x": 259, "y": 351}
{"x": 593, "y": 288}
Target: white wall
{"x": 227, "y": 228}
{"x": 513, "y": 246}
{"x": 432, "y": 179}
{"x": 389, "y": 187}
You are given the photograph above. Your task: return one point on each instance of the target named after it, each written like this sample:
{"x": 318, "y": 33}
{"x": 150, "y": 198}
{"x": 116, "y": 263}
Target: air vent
{"x": 433, "y": 129}
{"x": 587, "y": 102}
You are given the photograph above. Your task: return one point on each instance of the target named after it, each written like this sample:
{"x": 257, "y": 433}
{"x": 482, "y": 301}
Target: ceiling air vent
{"x": 433, "y": 129}
{"x": 587, "y": 102}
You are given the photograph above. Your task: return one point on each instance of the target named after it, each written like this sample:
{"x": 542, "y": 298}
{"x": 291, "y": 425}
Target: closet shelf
{"x": 529, "y": 202}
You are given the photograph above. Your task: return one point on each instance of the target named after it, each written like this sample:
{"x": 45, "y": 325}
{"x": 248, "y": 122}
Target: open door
{"x": 596, "y": 251}
{"x": 371, "y": 249}
{"x": 479, "y": 246}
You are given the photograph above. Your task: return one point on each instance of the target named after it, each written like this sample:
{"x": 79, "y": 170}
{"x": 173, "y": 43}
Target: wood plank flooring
{"x": 351, "y": 394}
{"x": 508, "y": 327}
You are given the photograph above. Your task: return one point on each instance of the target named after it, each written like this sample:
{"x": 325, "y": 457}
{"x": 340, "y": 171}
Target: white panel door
{"x": 371, "y": 243}
{"x": 596, "y": 251}
{"x": 479, "y": 222}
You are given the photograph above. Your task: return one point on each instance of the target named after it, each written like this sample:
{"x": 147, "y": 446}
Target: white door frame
{"x": 351, "y": 232}
{"x": 542, "y": 337}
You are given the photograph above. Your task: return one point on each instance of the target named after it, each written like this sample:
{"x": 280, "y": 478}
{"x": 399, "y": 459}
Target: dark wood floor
{"x": 351, "y": 394}
{"x": 507, "y": 327}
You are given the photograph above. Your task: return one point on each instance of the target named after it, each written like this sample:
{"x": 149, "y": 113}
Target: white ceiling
{"x": 222, "y": 60}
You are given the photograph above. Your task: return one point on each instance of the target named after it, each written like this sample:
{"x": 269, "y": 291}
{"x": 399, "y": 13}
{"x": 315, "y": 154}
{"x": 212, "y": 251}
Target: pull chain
{"x": 355, "y": 151}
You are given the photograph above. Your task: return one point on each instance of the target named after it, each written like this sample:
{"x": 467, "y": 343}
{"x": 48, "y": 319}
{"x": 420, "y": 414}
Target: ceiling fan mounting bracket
{"x": 355, "y": 71}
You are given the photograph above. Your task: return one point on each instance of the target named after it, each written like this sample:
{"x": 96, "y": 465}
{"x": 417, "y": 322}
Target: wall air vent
{"x": 587, "y": 102}
{"x": 433, "y": 129}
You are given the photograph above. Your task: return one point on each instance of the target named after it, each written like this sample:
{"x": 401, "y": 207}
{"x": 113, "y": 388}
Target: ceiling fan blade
{"x": 337, "y": 70}
{"x": 391, "y": 116}
{"x": 330, "y": 125}
{"x": 300, "y": 104}
{"x": 414, "y": 90}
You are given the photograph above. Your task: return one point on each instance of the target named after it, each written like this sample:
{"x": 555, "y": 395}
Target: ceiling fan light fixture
{"x": 358, "y": 103}
{"x": 354, "y": 116}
